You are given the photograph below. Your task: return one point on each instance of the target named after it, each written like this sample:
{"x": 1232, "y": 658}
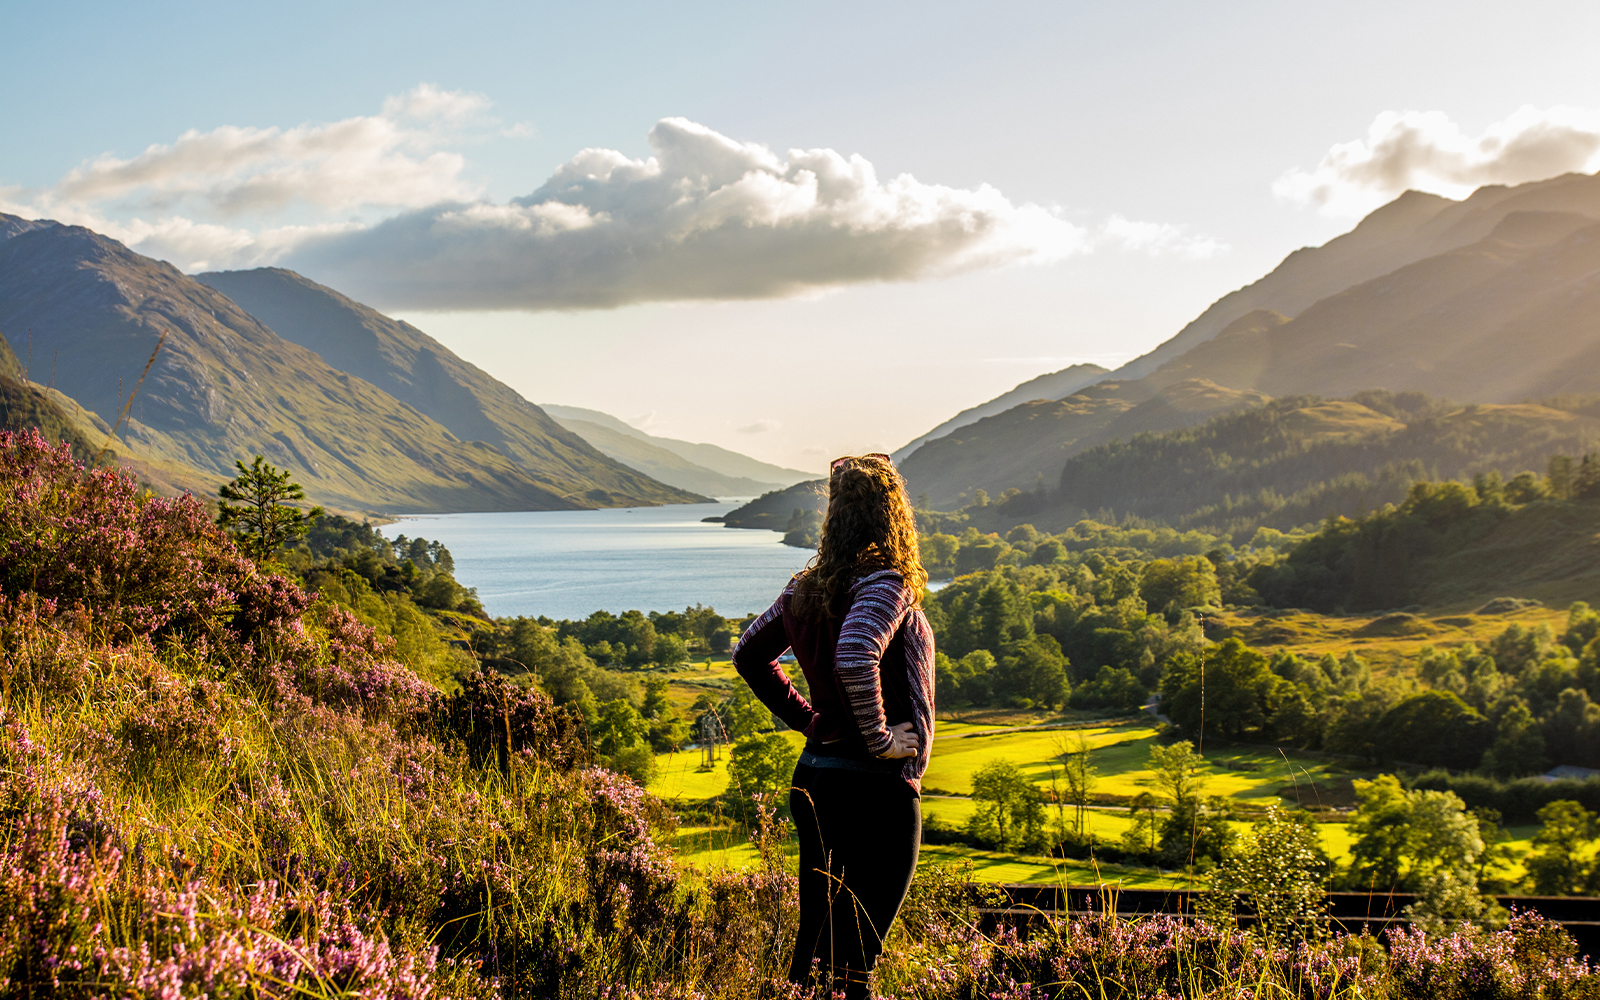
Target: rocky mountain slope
{"x": 225, "y": 386}
{"x": 416, "y": 369}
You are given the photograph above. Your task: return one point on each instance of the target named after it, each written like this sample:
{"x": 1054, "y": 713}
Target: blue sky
{"x": 1141, "y": 159}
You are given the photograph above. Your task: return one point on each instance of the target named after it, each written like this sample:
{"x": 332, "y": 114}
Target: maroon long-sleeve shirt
{"x": 869, "y": 670}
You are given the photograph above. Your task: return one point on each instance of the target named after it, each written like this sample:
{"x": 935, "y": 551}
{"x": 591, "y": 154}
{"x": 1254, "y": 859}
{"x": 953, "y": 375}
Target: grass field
{"x": 1120, "y": 749}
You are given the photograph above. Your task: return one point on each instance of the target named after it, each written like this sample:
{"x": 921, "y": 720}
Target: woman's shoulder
{"x": 879, "y": 578}
{"x": 883, "y": 584}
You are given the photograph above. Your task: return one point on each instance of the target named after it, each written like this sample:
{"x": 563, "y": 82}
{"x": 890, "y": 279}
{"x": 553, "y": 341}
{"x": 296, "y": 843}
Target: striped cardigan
{"x": 867, "y": 671}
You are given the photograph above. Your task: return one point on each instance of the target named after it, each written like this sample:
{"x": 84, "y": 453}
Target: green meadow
{"x": 1251, "y": 778}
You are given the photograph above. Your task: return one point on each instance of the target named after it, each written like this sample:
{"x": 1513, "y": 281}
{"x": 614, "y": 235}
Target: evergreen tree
{"x": 255, "y": 508}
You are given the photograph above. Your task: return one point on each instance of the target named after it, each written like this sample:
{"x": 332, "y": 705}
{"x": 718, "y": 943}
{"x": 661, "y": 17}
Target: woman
{"x": 852, "y": 619}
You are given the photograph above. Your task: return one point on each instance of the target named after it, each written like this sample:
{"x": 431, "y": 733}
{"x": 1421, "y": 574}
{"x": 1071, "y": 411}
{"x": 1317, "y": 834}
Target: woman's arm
{"x": 756, "y": 659}
{"x": 879, "y": 606}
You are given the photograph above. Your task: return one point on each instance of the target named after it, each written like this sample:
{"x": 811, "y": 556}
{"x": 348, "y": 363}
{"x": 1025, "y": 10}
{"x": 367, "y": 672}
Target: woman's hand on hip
{"x": 902, "y": 742}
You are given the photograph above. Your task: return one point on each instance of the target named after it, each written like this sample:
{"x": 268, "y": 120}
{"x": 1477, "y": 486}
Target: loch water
{"x": 569, "y": 563}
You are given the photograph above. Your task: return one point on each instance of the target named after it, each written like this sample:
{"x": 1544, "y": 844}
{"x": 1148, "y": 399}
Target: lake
{"x": 568, "y": 563}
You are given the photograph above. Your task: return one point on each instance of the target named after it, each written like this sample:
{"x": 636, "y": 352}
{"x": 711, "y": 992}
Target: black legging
{"x": 859, "y": 835}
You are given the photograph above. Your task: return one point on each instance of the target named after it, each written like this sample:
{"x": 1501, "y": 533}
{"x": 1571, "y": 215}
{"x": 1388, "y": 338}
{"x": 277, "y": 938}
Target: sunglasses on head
{"x": 839, "y": 463}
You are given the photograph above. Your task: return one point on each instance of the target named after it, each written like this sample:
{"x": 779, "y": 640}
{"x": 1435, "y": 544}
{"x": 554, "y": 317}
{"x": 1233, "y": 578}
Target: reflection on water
{"x": 568, "y": 563}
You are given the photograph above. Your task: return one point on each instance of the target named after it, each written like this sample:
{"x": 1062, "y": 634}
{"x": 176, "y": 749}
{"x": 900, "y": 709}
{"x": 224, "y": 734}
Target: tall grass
{"x": 214, "y": 784}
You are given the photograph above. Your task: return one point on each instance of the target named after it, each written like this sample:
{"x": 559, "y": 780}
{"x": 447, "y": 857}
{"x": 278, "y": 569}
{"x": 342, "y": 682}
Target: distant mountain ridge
{"x": 1489, "y": 299}
{"x": 1051, "y": 385}
{"x": 708, "y": 456}
{"x": 226, "y": 386}
{"x": 418, "y": 370}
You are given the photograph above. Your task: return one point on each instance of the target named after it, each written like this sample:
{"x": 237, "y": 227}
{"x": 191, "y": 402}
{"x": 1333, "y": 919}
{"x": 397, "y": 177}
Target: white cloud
{"x": 233, "y": 170}
{"x": 1157, "y": 238}
{"x": 705, "y": 217}
{"x": 426, "y": 102}
{"x": 219, "y": 198}
{"x": 1427, "y": 151}
{"x": 760, "y": 427}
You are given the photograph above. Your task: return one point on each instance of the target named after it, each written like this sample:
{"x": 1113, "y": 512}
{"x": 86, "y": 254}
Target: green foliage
{"x": 1281, "y": 867}
{"x": 1436, "y": 726}
{"x": 255, "y": 508}
{"x": 1558, "y": 865}
{"x": 1010, "y": 812}
{"x": 1276, "y": 466}
{"x": 760, "y": 765}
{"x": 1171, "y": 585}
{"x": 1414, "y": 840}
{"x": 1047, "y": 631}
{"x": 1117, "y": 689}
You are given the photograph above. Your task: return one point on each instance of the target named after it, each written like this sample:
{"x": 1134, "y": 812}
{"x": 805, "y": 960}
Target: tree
{"x": 1078, "y": 771}
{"x": 760, "y": 765}
{"x": 1519, "y": 745}
{"x": 1434, "y": 727}
{"x": 1282, "y": 867}
{"x": 618, "y": 728}
{"x": 255, "y": 509}
{"x": 1419, "y": 840}
{"x": 1559, "y": 475}
{"x": 745, "y": 715}
{"x": 964, "y": 681}
{"x": 1034, "y": 674}
{"x": 1010, "y": 809}
{"x": 1141, "y": 837}
{"x": 1381, "y": 828}
{"x": 1177, "y": 771}
{"x": 1556, "y": 866}
{"x": 670, "y": 650}
{"x": 1230, "y": 687}
{"x": 1170, "y": 585}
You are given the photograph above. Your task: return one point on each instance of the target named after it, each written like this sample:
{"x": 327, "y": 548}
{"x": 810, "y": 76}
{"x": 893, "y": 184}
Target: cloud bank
{"x": 704, "y": 217}
{"x": 220, "y": 198}
{"x": 380, "y": 207}
{"x": 1429, "y": 152}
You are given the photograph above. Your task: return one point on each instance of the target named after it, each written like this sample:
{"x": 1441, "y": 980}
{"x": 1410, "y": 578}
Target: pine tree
{"x": 255, "y": 509}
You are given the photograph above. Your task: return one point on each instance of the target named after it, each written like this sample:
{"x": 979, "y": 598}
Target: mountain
{"x": 60, "y": 418}
{"x": 418, "y": 370}
{"x": 1025, "y": 446}
{"x": 661, "y": 464}
{"x": 1489, "y": 299}
{"x": 1051, "y": 385}
{"x": 224, "y": 386}
{"x": 707, "y": 456}
{"x": 1411, "y": 228}
{"x": 1513, "y": 316}
{"x": 24, "y": 405}
{"x": 774, "y": 511}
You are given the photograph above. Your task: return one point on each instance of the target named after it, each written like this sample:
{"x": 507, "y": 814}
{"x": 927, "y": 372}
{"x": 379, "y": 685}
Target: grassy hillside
{"x": 24, "y": 405}
{"x": 1027, "y": 444}
{"x": 775, "y": 511}
{"x": 416, "y": 369}
{"x": 225, "y": 387}
{"x": 1051, "y": 385}
{"x": 1301, "y": 459}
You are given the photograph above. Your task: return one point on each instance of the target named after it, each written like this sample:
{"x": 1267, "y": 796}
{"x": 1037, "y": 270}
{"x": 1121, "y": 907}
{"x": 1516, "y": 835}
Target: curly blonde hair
{"x": 868, "y": 527}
